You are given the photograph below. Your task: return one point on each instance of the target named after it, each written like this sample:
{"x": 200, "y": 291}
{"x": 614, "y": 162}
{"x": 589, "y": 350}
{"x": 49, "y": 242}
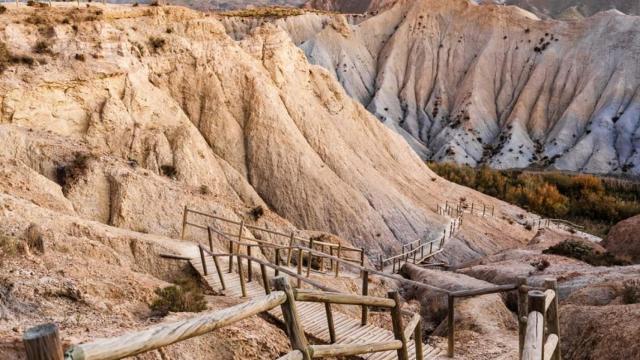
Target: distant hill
{"x": 543, "y": 8}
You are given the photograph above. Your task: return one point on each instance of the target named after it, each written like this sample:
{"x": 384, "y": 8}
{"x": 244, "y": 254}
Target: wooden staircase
{"x": 313, "y": 316}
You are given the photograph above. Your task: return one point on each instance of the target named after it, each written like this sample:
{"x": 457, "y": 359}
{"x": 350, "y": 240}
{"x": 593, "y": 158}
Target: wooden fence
{"x": 44, "y": 343}
{"x": 541, "y": 337}
{"x": 356, "y": 255}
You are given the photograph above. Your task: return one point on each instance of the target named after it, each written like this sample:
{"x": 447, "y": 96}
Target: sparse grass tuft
{"x": 3, "y": 9}
{"x": 184, "y": 296}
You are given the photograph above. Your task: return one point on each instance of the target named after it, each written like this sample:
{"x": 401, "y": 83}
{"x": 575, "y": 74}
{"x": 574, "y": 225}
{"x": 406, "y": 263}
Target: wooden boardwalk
{"x": 312, "y": 315}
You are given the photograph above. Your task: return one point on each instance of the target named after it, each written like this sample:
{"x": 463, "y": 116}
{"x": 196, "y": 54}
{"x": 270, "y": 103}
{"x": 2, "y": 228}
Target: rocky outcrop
{"x": 496, "y": 85}
{"x": 560, "y": 9}
{"x": 623, "y": 240}
{"x": 602, "y": 332}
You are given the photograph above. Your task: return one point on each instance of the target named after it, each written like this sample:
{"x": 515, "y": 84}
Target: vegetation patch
{"x": 597, "y": 203}
{"x": 67, "y": 174}
{"x": 583, "y": 252}
{"x": 257, "y": 212}
{"x": 271, "y": 12}
{"x": 631, "y": 292}
{"x": 169, "y": 171}
{"x": 184, "y": 296}
{"x": 157, "y": 43}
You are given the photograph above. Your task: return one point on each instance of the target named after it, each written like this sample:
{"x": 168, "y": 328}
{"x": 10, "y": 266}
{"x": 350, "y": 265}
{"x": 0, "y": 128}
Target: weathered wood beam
{"x": 337, "y": 350}
{"x": 155, "y": 337}
{"x": 42, "y": 342}
{"x": 344, "y": 299}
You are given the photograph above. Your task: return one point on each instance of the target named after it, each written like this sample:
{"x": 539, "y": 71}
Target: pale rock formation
{"x": 496, "y": 85}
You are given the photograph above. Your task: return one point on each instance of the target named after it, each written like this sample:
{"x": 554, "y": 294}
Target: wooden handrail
{"x": 338, "y": 350}
{"x": 342, "y": 298}
{"x": 158, "y": 336}
{"x": 275, "y": 267}
{"x": 257, "y": 228}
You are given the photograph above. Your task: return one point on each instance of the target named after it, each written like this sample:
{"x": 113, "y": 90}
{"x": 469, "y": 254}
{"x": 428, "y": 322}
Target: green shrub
{"x": 184, "y": 296}
{"x": 582, "y": 251}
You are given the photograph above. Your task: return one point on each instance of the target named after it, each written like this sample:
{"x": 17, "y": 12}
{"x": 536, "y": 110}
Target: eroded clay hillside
{"x": 495, "y": 84}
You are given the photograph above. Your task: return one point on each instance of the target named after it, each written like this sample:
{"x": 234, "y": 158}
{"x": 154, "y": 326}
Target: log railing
{"x": 43, "y": 342}
{"x": 541, "y": 338}
{"x": 454, "y": 209}
{"x": 355, "y": 255}
{"x": 414, "y": 252}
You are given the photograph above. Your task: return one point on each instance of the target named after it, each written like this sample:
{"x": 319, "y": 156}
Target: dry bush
{"x": 631, "y": 292}
{"x": 581, "y": 251}
{"x": 184, "y": 296}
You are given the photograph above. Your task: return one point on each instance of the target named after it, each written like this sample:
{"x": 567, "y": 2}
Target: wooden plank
{"x": 522, "y": 312}
{"x": 155, "y": 337}
{"x": 549, "y": 297}
{"x": 336, "y": 350}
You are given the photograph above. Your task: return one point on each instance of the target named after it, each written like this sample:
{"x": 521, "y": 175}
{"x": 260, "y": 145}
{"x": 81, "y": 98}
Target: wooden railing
{"x": 356, "y": 255}
{"x": 524, "y": 292}
{"x": 454, "y": 209}
{"x": 43, "y": 342}
{"x": 415, "y": 252}
{"x": 541, "y": 339}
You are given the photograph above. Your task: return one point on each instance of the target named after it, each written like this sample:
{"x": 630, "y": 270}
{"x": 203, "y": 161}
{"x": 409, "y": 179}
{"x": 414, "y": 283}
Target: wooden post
{"x": 210, "y": 237}
{"x": 536, "y": 300}
{"x": 398, "y": 329}
{"x": 249, "y": 265}
{"x": 324, "y": 251}
{"x": 365, "y": 292}
{"x": 219, "y": 271}
{"x": 484, "y": 209}
{"x": 394, "y": 267}
{"x": 472, "y": 209}
{"x": 417, "y": 338}
{"x": 299, "y": 267}
{"x": 204, "y": 263}
{"x": 492, "y": 208}
{"x": 337, "y": 263}
{"x": 422, "y": 250}
{"x": 522, "y": 312}
{"x": 362, "y": 260}
{"x": 292, "y": 239}
{"x": 230, "y": 256}
{"x": 553, "y": 315}
{"x": 331, "y": 260}
{"x": 42, "y": 342}
{"x": 243, "y": 286}
{"x": 277, "y": 261}
{"x": 265, "y": 279}
{"x": 309, "y": 260}
{"x": 184, "y": 217}
{"x": 451, "y": 324}
{"x": 290, "y": 315}
{"x": 332, "y": 329}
